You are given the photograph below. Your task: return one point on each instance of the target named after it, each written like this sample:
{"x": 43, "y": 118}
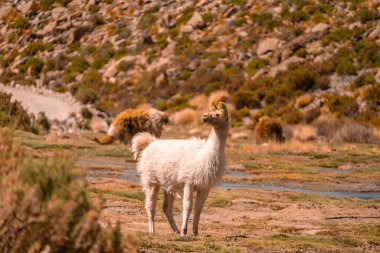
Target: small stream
{"x": 126, "y": 171}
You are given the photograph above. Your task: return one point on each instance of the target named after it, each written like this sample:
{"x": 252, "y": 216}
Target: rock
{"x": 24, "y": 6}
{"x": 314, "y": 48}
{"x": 284, "y": 66}
{"x": 268, "y": 45}
{"x": 241, "y": 136}
{"x": 321, "y": 27}
{"x": 196, "y": 21}
{"x": 4, "y": 11}
{"x": 112, "y": 70}
{"x": 98, "y": 125}
{"x": 186, "y": 29}
{"x": 375, "y": 33}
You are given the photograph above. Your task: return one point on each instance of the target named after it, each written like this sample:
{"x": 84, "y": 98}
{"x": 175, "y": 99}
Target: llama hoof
{"x": 176, "y": 232}
{"x": 183, "y": 232}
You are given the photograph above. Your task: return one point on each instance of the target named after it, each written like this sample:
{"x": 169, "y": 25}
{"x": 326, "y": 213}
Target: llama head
{"x": 218, "y": 115}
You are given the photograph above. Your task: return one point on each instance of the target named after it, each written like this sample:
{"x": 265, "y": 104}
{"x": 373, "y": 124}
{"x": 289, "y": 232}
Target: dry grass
{"x": 199, "y": 102}
{"x": 185, "y": 116}
{"x": 304, "y": 133}
{"x": 345, "y": 130}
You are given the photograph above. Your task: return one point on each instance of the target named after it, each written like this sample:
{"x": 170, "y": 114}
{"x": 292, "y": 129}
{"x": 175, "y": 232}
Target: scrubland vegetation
{"x": 46, "y": 206}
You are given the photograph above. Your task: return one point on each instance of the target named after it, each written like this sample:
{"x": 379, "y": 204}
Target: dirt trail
{"x": 55, "y": 105}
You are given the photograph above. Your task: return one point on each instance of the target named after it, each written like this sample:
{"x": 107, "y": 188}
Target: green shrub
{"x": 266, "y": 20}
{"x": 48, "y": 206}
{"x": 84, "y": 93}
{"x": 186, "y": 15}
{"x": 299, "y": 16}
{"x": 372, "y": 96}
{"x": 213, "y": 86}
{"x": 245, "y": 98}
{"x": 7, "y": 61}
{"x": 185, "y": 74}
{"x": 34, "y": 47}
{"x": 46, "y": 4}
{"x": 255, "y": 65}
{"x": 343, "y": 105}
{"x": 125, "y": 65}
{"x": 368, "y": 53}
{"x": 20, "y": 23}
{"x": 293, "y": 116}
{"x": 302, "y": 78}
{"x": 208, "y": 17}
{"x": 148, "y": 18}
{"x": 362, "y": 80}
{"x": 78, "y": 65}
{"x": 367, "y": 15}
{"x": 346, "y": 67}
{"x": 340, "y": 35}
{"x": 14, "y": 115}
{"x": 34, "y": 64}
{"x": 86, "y": 113}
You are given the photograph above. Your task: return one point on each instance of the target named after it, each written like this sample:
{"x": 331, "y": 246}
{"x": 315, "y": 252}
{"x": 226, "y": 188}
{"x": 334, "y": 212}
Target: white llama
{"x": 183, "y": 167}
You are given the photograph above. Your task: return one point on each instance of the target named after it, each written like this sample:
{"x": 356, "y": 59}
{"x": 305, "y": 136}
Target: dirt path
{"x": 55, "y": 105}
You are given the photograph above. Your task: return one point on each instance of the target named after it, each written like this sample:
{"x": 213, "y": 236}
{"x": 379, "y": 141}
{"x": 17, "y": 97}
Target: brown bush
{"x": 345, "y": 130}
{"x": 185, "y": 116}
{"x": 45, "y": 207}
{"x": 268, "y": 129}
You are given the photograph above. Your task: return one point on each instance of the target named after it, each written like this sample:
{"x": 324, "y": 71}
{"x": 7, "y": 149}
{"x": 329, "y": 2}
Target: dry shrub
{"x": 303, "y": 100}
{"x": 268, "y": 129}
{"x": 219, "y": 95}
{"x": 304, "y": 133}
{"x": 144, "y": 106}
{"x": 185, "y": 116}
{"x": 354, "y": 132}
{"x": 45, "y": 207}
{"x": 200, "y": 102}
{"x": 345, "y": 130}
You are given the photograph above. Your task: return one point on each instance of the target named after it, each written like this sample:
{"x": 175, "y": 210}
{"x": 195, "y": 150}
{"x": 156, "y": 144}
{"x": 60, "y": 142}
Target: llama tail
{"x": 140, "y": 141}
{"x": 106, "y": 139}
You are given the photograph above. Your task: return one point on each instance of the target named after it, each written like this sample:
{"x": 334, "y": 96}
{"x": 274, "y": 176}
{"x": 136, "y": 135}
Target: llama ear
{"x": 213, "y": 106}
{"x": 222, "y": 106}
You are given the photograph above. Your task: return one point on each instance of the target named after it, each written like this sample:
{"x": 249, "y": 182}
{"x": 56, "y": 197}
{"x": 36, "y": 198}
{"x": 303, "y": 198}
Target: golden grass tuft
{"x": 199, "y": 102}
{"x": 304, "y": 133}
{"x": 219, "y": 95}
{"x": 185, "y": 116}
{"x": 303, "y": 100}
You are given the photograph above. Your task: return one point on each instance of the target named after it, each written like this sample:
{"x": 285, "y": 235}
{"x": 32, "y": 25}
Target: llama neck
{"x": 216, "y": 141}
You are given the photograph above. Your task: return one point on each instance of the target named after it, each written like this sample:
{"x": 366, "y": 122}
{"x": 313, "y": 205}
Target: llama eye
{"x": 218, "y": 115}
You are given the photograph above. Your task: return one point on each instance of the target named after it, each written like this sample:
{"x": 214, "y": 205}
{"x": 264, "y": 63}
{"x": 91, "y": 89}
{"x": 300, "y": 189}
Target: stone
{"x": 4, "y": 11}
{"x": 320, "y": 27}
{"x": 314, "y": 48}
{"x": 267, "y": 45}
{"x": 186, "y": 29}
{"x": 24, "y": 6}
{"x": 241, "y": 135}
{"x": 284, "y": 66}
{"x": 196, "y": 21}
{"x": 112, "y": 70}
{"x": 375, "y": 33}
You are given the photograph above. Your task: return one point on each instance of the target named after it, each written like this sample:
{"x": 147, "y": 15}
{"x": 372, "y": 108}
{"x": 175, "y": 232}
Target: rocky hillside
{"x": 287, "y": 59}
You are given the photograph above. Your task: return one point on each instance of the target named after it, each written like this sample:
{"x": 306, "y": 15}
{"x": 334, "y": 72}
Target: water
{"x": 133, "y": 176}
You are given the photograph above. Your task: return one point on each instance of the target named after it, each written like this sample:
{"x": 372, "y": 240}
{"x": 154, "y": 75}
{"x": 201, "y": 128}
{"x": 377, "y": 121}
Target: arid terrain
{"x": 275, "y": 198}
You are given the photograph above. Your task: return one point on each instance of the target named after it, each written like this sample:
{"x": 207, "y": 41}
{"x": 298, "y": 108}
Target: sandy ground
{"x": 55, "y": 105}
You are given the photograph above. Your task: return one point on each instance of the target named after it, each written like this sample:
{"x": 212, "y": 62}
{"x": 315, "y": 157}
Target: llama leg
{"x": 199, "y": 203}
{"x": 187, "y": 205}
{"x": 168, "y": 211}
{"x": 151, "y": 201}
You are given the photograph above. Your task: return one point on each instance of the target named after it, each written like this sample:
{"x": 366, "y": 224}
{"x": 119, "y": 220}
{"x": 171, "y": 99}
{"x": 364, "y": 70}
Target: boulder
{"x": 320, "y": 27}
{"x": 267, "y": 45}
{"x": 24, "y": 6}
{"x": 284, "y": 66}
{"x": 4, "y": 11}
{"x": 196, "y": 21}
